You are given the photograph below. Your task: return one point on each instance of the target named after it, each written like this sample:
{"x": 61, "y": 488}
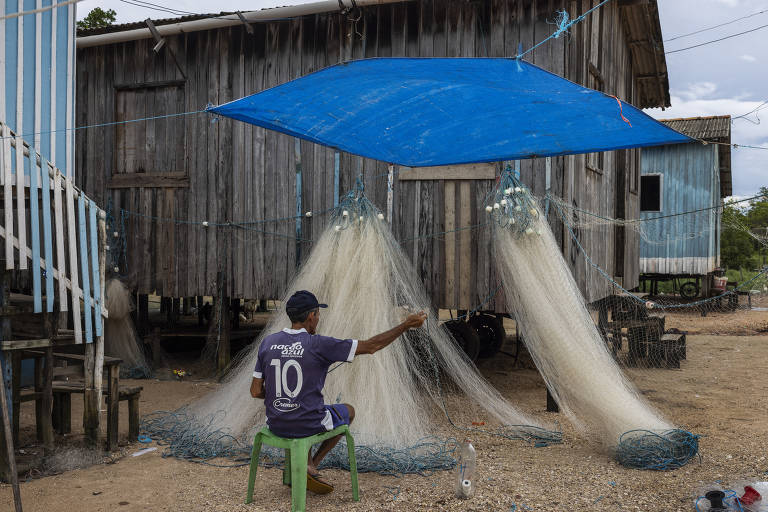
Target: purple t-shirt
{"x": 293, "y": 365}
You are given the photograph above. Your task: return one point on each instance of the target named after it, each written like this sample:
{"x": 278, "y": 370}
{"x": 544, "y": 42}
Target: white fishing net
{"x": 358, "y": 268}
{"x": 120, "y": 338}
{"x": 570, "y": 352}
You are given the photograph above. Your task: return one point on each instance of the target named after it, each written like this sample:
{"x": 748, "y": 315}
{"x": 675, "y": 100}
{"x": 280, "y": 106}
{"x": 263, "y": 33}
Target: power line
{"x": 156, "y": 7}
{"x": 716, "y": 26}
{"x": 717, "y": 40}
{"x": 753, "y": 111}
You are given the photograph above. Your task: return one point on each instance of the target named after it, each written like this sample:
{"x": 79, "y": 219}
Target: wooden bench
{"x": 62, "y": 392}
{"x": 62, "y": 408}
{"x": 667, "y": 351}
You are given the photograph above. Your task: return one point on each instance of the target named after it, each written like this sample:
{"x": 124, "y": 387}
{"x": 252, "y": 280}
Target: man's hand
{"x": 380, "y": 341}
{"x": 415, "y": 320}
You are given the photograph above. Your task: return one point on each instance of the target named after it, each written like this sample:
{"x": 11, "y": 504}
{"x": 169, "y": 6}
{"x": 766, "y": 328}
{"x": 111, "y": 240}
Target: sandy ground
{"x": 721, "y": 392}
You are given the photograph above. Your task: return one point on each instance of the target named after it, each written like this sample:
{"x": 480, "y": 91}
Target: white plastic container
{"x": 465, "y": 470}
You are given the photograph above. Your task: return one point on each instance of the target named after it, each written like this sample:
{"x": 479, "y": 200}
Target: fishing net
{"x": 120, "y": 338}
{"x": 564, "y": 341}
{"x": 676, "y": 296}
{"x": 358, "y": 268}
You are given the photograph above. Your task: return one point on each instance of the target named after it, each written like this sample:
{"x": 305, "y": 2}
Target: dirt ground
{"x": 721, "y": 393}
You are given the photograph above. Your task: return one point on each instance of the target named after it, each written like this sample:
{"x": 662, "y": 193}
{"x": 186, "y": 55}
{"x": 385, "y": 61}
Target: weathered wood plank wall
{"x": 232, "y": 172}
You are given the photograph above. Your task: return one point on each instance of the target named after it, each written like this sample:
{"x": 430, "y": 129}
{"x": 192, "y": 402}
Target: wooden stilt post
{"x": 220, "y": 327}
{"x": 15, "y": 358}
{"x": 235, "y": 306}
{"x": 175, "y": 310}
{"x": 551, "y": 404}
{"x": 187, "y": 308}
{"x": 90, "y": 405}
{"x": 200, "y": 304}
{"x": 8, "y": 470}
{"x": 143, "y": 315}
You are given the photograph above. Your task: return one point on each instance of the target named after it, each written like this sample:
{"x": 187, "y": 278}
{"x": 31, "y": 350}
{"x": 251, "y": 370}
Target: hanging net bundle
{"x": 564, "y": 341}
{"x": 360, "y": 271}
{"x": 120, "y": 338}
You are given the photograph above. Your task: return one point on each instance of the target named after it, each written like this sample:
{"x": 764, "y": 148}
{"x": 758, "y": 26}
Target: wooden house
{"x": 164, "y": 178}
{"x": 37, "y": 63}
{"x": 53, "y": 236}
{"x": 685, "y": 178}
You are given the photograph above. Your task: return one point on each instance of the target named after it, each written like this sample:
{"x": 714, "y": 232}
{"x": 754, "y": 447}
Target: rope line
{"x": 563, "y": 25}
{"x": 102, "y": 125}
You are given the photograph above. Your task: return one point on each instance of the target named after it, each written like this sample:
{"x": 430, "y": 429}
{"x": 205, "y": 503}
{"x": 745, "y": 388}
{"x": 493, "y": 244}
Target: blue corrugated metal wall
{"x": 37, "y": 89}
{"x": 686, "y": 244}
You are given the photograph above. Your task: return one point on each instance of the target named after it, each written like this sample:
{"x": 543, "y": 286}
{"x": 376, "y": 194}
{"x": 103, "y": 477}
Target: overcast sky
{"x": 727, "y": 77}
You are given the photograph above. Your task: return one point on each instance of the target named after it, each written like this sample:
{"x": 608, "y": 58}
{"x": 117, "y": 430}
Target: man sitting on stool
{"x": 290, "y": 375}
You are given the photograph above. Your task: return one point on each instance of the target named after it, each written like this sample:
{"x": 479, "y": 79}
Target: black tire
{"x": 490, "y": 332}
{"x": 689, "y": 290}
{"x": 465, "y": 337}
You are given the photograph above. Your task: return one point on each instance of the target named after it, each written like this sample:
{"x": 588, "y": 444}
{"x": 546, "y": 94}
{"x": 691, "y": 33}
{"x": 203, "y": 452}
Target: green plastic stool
{"x": 295, "y": 467}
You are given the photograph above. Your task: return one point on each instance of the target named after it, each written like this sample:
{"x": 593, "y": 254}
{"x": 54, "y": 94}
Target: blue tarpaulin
{"x": 436, "y": 111}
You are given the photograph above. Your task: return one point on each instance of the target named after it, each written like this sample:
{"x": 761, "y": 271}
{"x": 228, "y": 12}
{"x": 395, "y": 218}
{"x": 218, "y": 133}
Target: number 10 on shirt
{"x": 281, "y": 377}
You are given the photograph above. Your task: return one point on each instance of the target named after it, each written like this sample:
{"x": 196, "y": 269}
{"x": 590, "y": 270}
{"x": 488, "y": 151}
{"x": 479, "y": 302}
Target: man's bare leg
{"x": 325, "y": 447}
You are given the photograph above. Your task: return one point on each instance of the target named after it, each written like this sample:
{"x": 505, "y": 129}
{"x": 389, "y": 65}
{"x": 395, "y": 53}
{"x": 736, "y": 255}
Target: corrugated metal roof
{"x": 709, "y": 128}
{"x": 642, "y": 28}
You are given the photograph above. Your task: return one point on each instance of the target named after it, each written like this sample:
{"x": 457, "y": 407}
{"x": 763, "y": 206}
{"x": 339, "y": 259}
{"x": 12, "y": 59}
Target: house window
{"x": 650, "y": 192}
{"x": 154, "y": 146}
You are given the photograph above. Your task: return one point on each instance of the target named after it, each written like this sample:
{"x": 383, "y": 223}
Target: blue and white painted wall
{"x": 675, "y": 179}
{"x": 37, "y": 92}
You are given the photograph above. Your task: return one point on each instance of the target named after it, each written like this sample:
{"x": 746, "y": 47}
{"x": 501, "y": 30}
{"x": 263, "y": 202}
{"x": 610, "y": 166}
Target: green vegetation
{"x": 739, "y": 249}
{"x": 97, "y": 18}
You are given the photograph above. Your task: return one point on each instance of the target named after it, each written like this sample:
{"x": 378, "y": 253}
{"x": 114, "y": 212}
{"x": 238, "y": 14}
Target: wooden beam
{"x": 150, "y": 85}
{"x": 24, "y": 344}
{"x": 486, "y": 171}
{"x": 149, "y": 180}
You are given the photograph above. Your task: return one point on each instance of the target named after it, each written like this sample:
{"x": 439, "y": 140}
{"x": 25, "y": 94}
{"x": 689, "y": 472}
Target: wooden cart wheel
{"x": 490, "y": 332}
{"x": 465, "y": 337}
{"x": 689, "y": 290}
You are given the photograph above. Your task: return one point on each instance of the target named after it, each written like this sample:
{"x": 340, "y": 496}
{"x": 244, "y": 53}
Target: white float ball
{"x": 489, "y": 209}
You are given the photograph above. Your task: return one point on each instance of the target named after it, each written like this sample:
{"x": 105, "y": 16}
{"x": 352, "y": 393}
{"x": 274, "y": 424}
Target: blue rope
{"x": 563, "y": 25}
{"x": 657, "y": 451}
{"x": 187, "y": 438}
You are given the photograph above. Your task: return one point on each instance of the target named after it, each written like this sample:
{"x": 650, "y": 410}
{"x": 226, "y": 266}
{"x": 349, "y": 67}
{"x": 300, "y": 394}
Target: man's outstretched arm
{"x": 378, "y": 342}
{"x": 257, "y": 388}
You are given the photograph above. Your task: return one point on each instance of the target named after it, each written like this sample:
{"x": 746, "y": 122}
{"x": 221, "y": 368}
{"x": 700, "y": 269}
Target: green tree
{"x": 97, "y": 18}
{"x": 739, "y": 248}
{"x": 736, "y": 245}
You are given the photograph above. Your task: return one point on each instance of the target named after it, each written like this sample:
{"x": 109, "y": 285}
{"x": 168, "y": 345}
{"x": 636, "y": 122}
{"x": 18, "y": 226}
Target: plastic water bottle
{"x": 465, "y": 470}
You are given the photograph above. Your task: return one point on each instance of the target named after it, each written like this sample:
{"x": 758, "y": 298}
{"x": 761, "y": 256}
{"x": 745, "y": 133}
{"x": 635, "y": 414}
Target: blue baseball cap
{"x": 301, "y": 302}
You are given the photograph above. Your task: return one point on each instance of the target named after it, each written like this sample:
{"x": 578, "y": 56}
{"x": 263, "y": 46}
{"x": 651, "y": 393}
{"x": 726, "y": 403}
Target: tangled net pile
{"x": 564, "y": 341}
{"x": 359, "y": 269}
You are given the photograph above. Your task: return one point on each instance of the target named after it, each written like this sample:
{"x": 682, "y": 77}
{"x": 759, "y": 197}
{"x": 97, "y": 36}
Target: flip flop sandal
{"x": 317, "y": 486}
